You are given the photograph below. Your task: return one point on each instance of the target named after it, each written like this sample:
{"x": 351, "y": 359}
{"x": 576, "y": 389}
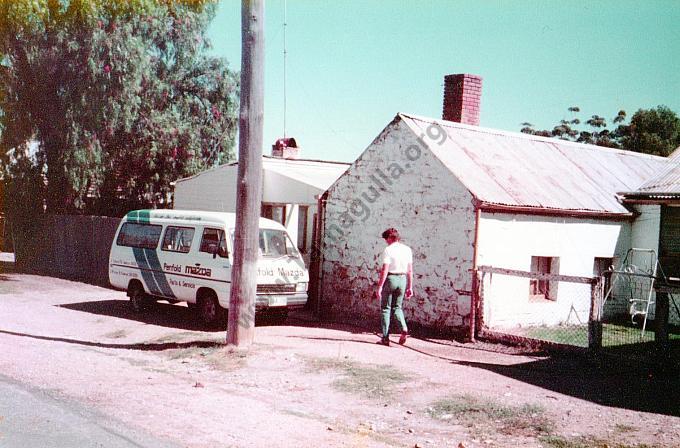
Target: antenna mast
{"x": 285, "y": 52}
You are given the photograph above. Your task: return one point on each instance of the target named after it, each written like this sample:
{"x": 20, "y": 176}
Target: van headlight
{"x": 301, "y": 287}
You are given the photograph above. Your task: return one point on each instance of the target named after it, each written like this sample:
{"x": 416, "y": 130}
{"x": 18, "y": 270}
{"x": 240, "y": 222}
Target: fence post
{"x": 661, "y": 317}
{"x": 474, "y": 300}
{"x": 595, "y": 318}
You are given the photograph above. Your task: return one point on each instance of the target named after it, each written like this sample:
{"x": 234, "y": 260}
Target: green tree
{"x": 651, "y": 131}
{"x": 121, "y": 97}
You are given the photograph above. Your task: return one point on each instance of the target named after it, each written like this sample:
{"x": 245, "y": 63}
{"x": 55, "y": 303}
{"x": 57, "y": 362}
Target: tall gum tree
{"x": 650, "y": 131}
{"x": 120, "y": 96}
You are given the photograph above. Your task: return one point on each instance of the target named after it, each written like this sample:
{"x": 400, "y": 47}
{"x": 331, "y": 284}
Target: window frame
{"x": 543, "y": 290}
{"x": 303, "y": 223}
{"x": 598, "y": 264}
{"x": 267, "y": 211}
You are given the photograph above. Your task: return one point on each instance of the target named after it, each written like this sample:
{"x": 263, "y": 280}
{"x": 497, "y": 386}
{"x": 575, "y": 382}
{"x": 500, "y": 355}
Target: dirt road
{"x": 307, "y": 384}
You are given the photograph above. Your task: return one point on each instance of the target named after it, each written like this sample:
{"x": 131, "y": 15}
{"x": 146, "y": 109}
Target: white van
{"x": 182, "y": 255}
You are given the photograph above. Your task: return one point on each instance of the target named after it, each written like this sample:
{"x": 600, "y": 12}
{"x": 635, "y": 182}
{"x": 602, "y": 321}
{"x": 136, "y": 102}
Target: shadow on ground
{"x": 160, "y": 346}
{"x": 606, "y": 381}
{"x": 610, "y": 380}
{"x": 161, "y": 314}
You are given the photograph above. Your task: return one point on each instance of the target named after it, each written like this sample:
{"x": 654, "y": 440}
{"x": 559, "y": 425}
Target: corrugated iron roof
{"x": 665, "y": 184}
{"x": 531, "y": 172}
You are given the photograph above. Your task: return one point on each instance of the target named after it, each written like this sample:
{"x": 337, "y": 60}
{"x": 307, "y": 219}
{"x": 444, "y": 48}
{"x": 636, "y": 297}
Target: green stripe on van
{"x": 147, "y": 275}
{"x": 139, "y": 216}
{"x": 158, "y": 274}
{"x": 147, "y": 260}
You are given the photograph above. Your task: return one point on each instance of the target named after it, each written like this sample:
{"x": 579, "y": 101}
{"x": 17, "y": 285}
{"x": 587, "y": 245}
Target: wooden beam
{"x": 536, "y": 275}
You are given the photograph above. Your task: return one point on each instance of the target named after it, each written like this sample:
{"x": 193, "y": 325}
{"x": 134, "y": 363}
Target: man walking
{"x": 395, "y": 283}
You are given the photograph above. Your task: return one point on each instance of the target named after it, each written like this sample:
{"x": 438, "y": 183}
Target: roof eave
{"x": 638, "y": 197}
{"x": 545, "y": 211}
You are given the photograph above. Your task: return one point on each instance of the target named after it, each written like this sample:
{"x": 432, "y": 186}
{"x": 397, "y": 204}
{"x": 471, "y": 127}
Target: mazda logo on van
{"x": 288, "y": 273}
{"x": 195, "y": 270}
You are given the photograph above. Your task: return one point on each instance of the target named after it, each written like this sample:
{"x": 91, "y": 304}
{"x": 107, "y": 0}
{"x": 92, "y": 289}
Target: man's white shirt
{"x": 398, "y": 256}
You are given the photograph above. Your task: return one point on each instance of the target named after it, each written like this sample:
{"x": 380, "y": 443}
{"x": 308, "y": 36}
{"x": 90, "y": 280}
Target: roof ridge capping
{"x": 522, "y": 135}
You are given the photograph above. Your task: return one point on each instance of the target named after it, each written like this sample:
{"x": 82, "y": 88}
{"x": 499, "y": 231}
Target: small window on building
{"x": 274, "y": 212}
{"x": 600, "y": 266}
{"x": 542, "y": 288}
{"x": 178, "y": 239}
{"x": 302, "y": 228}
{"x": 214, "y": 238}
{"x": 143, "y": 236}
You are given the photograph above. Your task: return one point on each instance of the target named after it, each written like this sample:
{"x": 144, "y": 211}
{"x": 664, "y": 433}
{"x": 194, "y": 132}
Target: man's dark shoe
{"x": 384, "y": 341}
{"x": 403, "y": 337}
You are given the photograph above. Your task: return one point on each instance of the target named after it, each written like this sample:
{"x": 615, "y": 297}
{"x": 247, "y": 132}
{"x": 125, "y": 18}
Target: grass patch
{"x": 217, "y": 357}
{"x": 119, "y": 334}
{"x": 178, "y": 338}
{"x": 624, "y": 428}
{"x": 585, "y": 442}
{"x": 369, "y": 380}
{"x": 485, "y": 416}
{"x": 7, "y": 288}
{"x": 612, "y": 334}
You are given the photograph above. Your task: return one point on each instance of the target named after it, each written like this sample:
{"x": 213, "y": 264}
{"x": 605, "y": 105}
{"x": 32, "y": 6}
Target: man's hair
{"x": 391, "y": 232}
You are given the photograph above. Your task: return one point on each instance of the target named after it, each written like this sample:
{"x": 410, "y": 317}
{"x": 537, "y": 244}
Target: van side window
{"x": 214, "y": 237}
{"x": 144, "y": 236}
{"x": 178, "y": 239}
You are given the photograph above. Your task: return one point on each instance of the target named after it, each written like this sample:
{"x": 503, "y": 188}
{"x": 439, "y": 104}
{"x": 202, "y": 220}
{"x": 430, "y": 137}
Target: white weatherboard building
{"x": 658, "y": 226}
{"x": 463, "y": 196}
{"x": 290, "y": 188}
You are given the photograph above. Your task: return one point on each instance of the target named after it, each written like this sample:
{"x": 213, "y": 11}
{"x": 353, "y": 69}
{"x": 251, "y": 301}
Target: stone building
{"x": 464, "y": 196}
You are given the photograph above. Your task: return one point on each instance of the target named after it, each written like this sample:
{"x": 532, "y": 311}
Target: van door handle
{"x": 198, "y": 264}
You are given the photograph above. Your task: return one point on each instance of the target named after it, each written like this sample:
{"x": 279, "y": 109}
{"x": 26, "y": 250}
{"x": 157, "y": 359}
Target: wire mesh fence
{"x": 614, "y": 313}
{"x": 537, "y": 306}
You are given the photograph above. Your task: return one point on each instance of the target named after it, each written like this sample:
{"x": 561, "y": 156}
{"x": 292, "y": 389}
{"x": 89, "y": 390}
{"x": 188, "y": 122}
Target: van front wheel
{"x": 209, "y": 309}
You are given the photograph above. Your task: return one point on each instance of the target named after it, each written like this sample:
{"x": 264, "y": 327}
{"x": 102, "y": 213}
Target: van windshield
{"x": 274, "y": 243}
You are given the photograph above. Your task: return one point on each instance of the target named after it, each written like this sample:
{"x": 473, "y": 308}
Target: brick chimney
{"x": 286, "y": 148}
{"x": 462, "y": 95}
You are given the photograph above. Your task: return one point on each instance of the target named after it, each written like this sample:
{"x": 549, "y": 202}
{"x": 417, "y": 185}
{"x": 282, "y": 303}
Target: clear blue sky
{"x": 352, "y": 65}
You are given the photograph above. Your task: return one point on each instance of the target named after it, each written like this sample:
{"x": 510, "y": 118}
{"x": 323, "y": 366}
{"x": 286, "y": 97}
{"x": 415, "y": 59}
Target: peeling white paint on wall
{"x": 394, "y": 185}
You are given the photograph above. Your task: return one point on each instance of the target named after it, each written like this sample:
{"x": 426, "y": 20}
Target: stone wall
{"x": 398, "y": 182}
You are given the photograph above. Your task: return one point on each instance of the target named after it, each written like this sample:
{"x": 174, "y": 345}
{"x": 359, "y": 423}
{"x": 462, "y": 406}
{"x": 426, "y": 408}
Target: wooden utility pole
{"x": 241, "y": 325}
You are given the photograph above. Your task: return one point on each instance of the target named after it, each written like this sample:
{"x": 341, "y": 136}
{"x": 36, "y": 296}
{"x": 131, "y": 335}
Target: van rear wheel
{"x": 209, "y": 309}
{"x": 139, "y": 300}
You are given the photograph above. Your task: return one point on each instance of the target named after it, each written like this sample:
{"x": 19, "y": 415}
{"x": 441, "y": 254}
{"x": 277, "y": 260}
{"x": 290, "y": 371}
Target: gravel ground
{"x": 309, "y": 384}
